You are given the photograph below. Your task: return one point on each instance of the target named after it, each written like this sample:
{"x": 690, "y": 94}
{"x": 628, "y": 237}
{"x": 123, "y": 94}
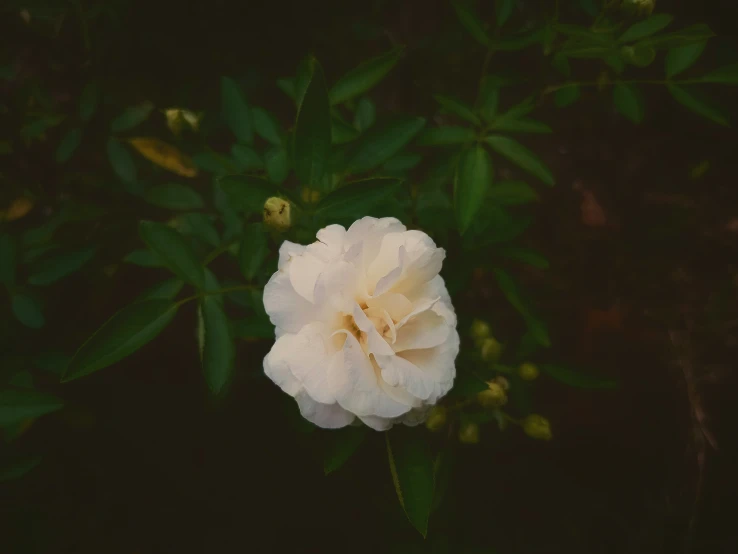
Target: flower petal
{"x": 277, "y": 368}
{"x": 397, "y": 305}
{"x": 327, "y": 416}
{"x": 304, "y": 271}
{"x": 425, "y": 330}
{"x": 375, "y": 341}
{"x": 309, "y": 358}
{"x": 436, "y": 362}
{"x": 377, "y": 423}
{"x": 287, "y": 251}
{"x": 287, "y": 309}
{"x": 399, "y": 372}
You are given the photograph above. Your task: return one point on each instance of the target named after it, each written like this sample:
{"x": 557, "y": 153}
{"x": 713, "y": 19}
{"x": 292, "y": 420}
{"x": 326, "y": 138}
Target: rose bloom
{"x": 364, "y": 325}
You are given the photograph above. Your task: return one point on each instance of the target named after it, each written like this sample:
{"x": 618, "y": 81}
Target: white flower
{"x": 364, "y": 324}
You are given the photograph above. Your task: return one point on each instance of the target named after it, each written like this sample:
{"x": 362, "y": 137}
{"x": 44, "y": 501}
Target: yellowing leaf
{"x": 18, "y": 208}
{"x": 164, "y": 155}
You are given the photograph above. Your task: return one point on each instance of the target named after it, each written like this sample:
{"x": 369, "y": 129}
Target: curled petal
{"x": 328, "y": 416}
{"x": 287, "y": 310}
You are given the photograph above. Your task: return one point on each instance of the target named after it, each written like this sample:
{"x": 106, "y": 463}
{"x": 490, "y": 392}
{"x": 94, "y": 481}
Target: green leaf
{"x": 18, "y": 405}
{"x": 302, "y": 80}
{"x": 341, "y": 445}
{"x": 53, "y": 362}
{"x": 457, "y": 108}
{"x": 235, "y": 111}
{"x": 506, "y": 125}
{"x": 513, "y": 295}
{"x": 253, "y": 250}
{"x": 511, "y": 193}
{"x": 638, "y": 55}
{"x": 628, "y": 101}
{"x": 174, "y": 196}
{"x": 341, "y": 133}
{"x": 120, "y": 336}
{"x": 253, "y": 328}
{"x": 566, "y": 96}
{"x": 144, "y": 258}
{"x": 489, "y": 97}
{"x": 381, "y": 143}
{"x": 266, "y": 126}
{"x": 18, "y": 467}
{"x": 198, "y": 225}
{"x": 7, "y": 260}
{"x": 277, "y": 165}
{"x": 357, "y": 196}
{"x": 473, "y": 178}
{"x": 520, "y": 156}
{"x": 50, "y": 270}
{"x": 247, "y": 193}
{"x": 174, "y": 251}
{"x": 246, "y": 157}
{"x": 682, "y": 37}
{"x": 364, "y": 77}
{"x": 411, "y": 466}
{"x": 690, "y": 101}
{"x": 68, "y": 145}
{"x": 132, "y": 117}
{"x": 122, "y": 161}
{"x": 727, "y": 75}
{"x": 216, "y": 348}
{"x": 214, "y": 163}
{"x": 165, "y": 290}
{"x": 471, "y": 23}
{"x": 287, "y": 85}
{"x": 525, "y": 255}
{"x": 576, "y": 379}
{"x": 312, "y": 145}
{"x": 403, "y": 162}
{"x": 647, "y": 27}
{"x": 365, "y": 115}
{"x": 27, "y": 310}
{"x": 88, "y": 101}
{"x": 503, "y": 10}
{"x": 446, "y": 135}
{"x": 681, "y": 58}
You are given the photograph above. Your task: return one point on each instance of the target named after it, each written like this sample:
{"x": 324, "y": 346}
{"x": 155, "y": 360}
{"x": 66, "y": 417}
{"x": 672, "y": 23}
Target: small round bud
{"x": 528, "y": 372}
{"x": 277, "y": 213}
{"x": 493, "y": 397}
{"x": 491, "y": 350}
{"x": 436, "y": 419}
{"x": 469, "y": 433}
{"x": 537, "y": 427}
{"x": 480, "y": 330}
{"x": 503, "y": 382}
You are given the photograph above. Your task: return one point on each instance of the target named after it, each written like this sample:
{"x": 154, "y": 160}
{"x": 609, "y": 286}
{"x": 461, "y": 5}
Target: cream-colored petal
{"x": 304, "y": 271}
{"x": 425, "y": 330}
{"x": 397, "y": 305}
{"x": 375, "y": 342}
{"x": 377, "y": 423}
{"x": 403, "y": 374}
{"x": 277, "y": 368}
{"x": 287, "y": 309}
{"x": 327, "y": 416}
{"x": 287, "y": 251}
{"x": 310, "y": 355}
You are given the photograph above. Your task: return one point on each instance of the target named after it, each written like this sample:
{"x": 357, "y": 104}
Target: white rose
{"x": 364, "y": 324}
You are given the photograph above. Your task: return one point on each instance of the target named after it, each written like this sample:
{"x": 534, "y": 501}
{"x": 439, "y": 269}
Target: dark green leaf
{"x": 302, "y": 80}
{"x": 253, "y": 250}
{"x": 525, "y": 255}
{"x": 52, "y": 362}
{"x": 520, "y": 40}
{"x": 132, "y": 117}
{"x": 214, "y": 163}
{"x": 473, "y": 178}
{"x": 266, "y": 126}
{"x": 7, "y": 260}
{"x": 628, "y": 101}
{"x": 411, "y": 466}
{"x": 513, "y": 295}
{"x": 689, "y": 100}
{"x": 247, "y": 193}
{"x": 682, "y": 37}
{"x": 122, "y": 161}
{"x": 504, "y": 124}
{"x": 365, "y": 76}
{"x": 590, "y": 7}
{"x": 174, "y": 196}
{"x": 566, "y": 96}
{"x": 503, "y": 10}
{"x": 165, "y": 290}
{"x": 380, "y": 144}
{"x": 489, "y": 97}
{"x": 68, "y": 145}
{"x": 312, "y": 143}
{"x": 727, "y": 75}
{"x": 235, "y": 111}
{"x": 88, "y": 101}
{"x": 50, "y": 270}
{"x": 457, "y": 108}
{"x": 494, "y": 225}
{"x": 575, "y": 379}
{"x": 681, "y": 58}
{"x": 120, "y": 336}
{"x": 287, "y": 85}
{"x": 446, "y": 135}
{"x": 511, "y": 193}
{"x": 174, "y": 251}
{"x": 216, "y": 346}
{"x": 471, "y": 23}
{"x": 365, "y": 114}
{"x": 18, "y": 467}
{"x": 246, "y": 157}
{"x": 17, "y": 405}
{"x": 144, "y": 258}
{"x": 341, "y": 133}
{"x": 27, "y": 310}
{"x": 198, "y": 225}
{"x": 520, "y": 156}
{"x": 403, "y": 162}
{"x": 357, "y": 196}
{"x": 277, "y": 164}
{"x": 647, "y": 27}
{"x": 341, "y": 444}
{"x": 638, "y": 55}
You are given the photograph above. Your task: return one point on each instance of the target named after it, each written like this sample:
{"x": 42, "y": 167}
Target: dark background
{"x": 142, "y": 460}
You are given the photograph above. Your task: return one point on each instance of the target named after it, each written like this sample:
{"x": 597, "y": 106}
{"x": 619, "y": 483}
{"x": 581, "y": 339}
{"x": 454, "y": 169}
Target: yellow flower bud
{"x": 469, "y": 433}
{"x": 18, "y": 208}
{"x": 179, "y": 119}
{"x": 310, "y": 196}
{"x": 480, "y": 330}
{"x": 537, "y": 427}
{"x": 493, "y": 397}
{"x": 491, "y": 350}
{"x": 528, "y": 372}
{"x": 277, "y": 213}
{"x": 436, "y": 419}
{"x": 503, "y": 382}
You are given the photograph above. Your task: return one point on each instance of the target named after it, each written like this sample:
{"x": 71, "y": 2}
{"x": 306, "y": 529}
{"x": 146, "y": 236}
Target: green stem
{"x": 218, "y": 251}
